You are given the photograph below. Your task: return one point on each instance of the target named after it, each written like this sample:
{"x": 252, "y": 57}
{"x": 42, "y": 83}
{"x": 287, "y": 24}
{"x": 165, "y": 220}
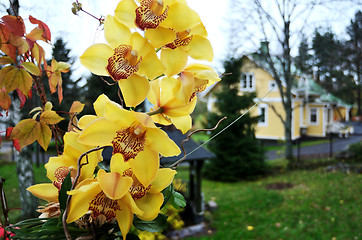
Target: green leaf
{"x": 167, "y": 193}
{"x": 63, "y": 196}
{"x": 156, "y": 225}
{"x": 177, "y": 200}
{"x": 32, "y": 68}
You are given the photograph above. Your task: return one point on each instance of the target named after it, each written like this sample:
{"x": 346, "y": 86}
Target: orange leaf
{"x": 76, "y": 107}
{"x": 14, "y": 24}
{"x": 6, "y": 60}
{"x": 5, "y": 47}
{"x": 18, "y": 78}
{"x": 45, "y": 135}
{"x": 5, "y": 100}
{"x": 20, "y": 43}
{"x": 26, "y": 131}
{"x": 33, "y": 36}
{"x": 38, "y": 53}
{"x": 54, "y": 78}
{"x": 3, "y": 73}
{"x": 43, "y": 26}
{"x": 50, "y": 117}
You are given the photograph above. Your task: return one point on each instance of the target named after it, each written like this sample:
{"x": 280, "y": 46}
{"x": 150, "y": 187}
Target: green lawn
{"x": 320, "y": 205}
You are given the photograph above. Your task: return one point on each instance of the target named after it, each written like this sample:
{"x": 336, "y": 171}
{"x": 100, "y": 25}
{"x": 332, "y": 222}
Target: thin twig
{"x": 222, "y": 130}
{"x": 188, "y": 138}
{"x": 64, "y": 218}
{"x": 200, "y": 130}
{"x": 109, "y": 84}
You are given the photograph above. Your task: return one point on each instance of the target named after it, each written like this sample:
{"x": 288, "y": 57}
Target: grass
{"x": 11, "y": 186}
{"x": 320, "y": 205}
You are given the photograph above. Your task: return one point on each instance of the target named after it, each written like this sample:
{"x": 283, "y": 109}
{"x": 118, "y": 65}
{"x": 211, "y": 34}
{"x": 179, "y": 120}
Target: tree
{"x": 239, "y": 155}
{"x": 354, "y": 54}
{"x": 94, "y": 87}
{"x": 279, "y": 25}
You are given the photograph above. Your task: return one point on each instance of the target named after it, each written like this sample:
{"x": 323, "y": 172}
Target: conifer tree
{"x": 239, "y": 155}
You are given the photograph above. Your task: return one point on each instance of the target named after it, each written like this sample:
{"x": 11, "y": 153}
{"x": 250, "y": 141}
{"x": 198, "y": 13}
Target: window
{"x": 263, "y": 115}
{"x": 247, "y": 82}
{"x": 313, "y": 115}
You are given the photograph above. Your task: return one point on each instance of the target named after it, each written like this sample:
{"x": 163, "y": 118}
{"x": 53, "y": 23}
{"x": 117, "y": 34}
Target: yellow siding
{"x": 274, "y": 128}
{"x": 315, "y": 129}
{"x": 339, "y": 114}
{"x": 296, "y": 119}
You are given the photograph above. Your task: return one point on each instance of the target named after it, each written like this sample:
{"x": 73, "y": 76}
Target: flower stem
{"x": 157, "y": 111}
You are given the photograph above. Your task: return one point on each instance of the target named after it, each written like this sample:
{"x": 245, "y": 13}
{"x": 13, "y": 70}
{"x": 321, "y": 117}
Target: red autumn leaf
{"x": 5, "y": 100}
{"x": 14, "y": 24}
{"x": 17, "y": 145}
{"x": 46, "y": 34}
{"x": 22, "y": 97}
{"x": 8, "y": 131}
{"x": 8, "y": 49}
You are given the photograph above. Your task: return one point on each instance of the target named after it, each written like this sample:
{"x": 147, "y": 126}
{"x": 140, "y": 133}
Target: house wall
{"x": 339, "y": 114}
{"x": 318, "y": 128}
{"x": 296, "y": 115}
{"x": 273, "y": 128}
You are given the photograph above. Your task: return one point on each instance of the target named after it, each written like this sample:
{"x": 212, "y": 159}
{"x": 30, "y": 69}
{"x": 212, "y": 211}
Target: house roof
{"x": 303, "y": 85}
{"x": 177, "y": 136}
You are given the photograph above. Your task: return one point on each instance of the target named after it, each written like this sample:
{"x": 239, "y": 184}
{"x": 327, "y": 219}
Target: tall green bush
{"x": 239, "y": 154}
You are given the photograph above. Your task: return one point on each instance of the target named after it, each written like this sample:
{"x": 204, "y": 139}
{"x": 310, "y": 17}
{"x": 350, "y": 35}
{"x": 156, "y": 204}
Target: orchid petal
{"x": 125, "y": 12}
{"x": 95, "y": 58}
{"x": 150, "y": 204}
{"x": 46, "y": 191}
{"x": 115, "y": 32}
{"x": 145, "y": 166}
{"x": 183, "y": 123}
{"x": 99, "y": 104}
{"x": 180, "y": 17}
{"x": 113, "y": 184}
{"x": 151, "y": 66}
{"x": 160, "y": 36}
{"x": 200, "y": 48}
{"x": 124, "y": 218}
{"x": 174, "y": 60}
{"x": 80, "y": 200}
{"x": 134, "y": 89}
{"x": 163, "y": 178}
{"x": 85, "y": 120}
{"x": 160, "y": 142}
{"x": 100, "y": 132}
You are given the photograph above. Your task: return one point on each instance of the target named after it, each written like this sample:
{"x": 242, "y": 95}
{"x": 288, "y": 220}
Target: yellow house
{"x": 314, "y": 111}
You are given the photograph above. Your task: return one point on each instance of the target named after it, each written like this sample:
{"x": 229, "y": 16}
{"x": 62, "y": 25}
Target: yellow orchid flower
{"x": 149, "y": 14}
{"x": 58, "y": 167}
{"x": 144, "y": 200}
{"x": 202, "y": 75}
{"x": 104, "y": 198}
{"x": 191, "y": 41}
{"x": 132, "y": 134}
{"x": 174, "y": 101}
{"x": 128, "y": 58}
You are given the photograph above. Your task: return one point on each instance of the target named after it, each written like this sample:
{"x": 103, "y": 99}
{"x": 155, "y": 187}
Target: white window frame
{"x": 247, "y": 82}
{"x": 312, "y": 109}
{"x": 265, "y": 107}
